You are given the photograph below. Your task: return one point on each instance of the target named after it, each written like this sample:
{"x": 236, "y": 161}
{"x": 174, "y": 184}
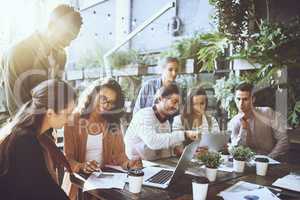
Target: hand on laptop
{"x": 192, "y": 135}
{"x": 134, "y": 164}
{"x": 90, "y": 166}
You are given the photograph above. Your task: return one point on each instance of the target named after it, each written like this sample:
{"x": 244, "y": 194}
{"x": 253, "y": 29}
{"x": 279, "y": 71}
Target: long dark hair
{"x": 187, "y": 111}
{"x": 50, "y": 94}
{"x": 87, "y": 99}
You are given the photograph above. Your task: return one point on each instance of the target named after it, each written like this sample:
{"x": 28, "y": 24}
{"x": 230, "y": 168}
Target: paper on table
{"x": 147, "y": 163}
{"x": 271, "y": 161}
{"x": 116, "y": 167}
{"x": 111, "y": 180}
{"x": 290, "y": 182}
{"x": 242, "y": 186}
{"x": 228, "y": 167}
{"x": 260, "y": 193}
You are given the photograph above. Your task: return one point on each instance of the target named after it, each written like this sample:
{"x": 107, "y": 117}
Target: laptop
{"x": 163, "y": 177}
{"x": 215, "y": 141}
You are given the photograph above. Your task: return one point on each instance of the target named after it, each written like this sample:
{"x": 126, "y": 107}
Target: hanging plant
{"x": 213, "y": 46}
{"x": 186, "y": 48}
{"x": 234, "y": 18}
{"x": 123, "y": 58}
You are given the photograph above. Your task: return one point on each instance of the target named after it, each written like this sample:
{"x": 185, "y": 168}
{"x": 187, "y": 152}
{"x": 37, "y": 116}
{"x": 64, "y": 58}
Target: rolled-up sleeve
{"x": 156, "y": 140}
{"x": 280, "y": 135}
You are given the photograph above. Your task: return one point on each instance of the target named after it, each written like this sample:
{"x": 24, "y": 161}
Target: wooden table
{"x": 183, "y": 190}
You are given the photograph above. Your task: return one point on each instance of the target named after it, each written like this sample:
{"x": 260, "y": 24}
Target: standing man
{"x": 149, "y": 134}
{"x": 259, "y": 128}
{"x": 146, "y": 96}
{"x": 39, "y": 57}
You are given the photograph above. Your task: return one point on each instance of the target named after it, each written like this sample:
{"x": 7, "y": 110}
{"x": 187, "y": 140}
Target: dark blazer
{"x": 28, "y": 176}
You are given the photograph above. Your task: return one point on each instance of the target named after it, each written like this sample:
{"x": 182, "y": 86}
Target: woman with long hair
{"x": 24, "y": 172}
{"x": 94, "y": 139}
{"x": 194, "y": 114}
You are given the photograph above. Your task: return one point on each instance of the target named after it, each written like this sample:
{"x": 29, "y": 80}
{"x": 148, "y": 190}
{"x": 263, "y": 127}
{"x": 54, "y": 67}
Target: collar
{"x": 158, "y": 116}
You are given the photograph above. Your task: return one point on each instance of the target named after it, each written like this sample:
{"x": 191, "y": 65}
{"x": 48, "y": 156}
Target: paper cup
{"x": 238, "y": 166}
{"x": 135, "y": 180}
{"x": 200, "y": 187}
{"x": 261, "y": 166}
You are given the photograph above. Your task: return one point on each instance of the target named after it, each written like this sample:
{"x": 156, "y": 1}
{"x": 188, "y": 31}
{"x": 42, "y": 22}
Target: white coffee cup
{"x": 135, "y": 180}
{"x": 200, "y": 187}
{"x": 261, "y": 166}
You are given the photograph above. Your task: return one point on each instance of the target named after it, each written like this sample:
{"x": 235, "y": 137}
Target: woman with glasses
{"x": 95, "y": 139}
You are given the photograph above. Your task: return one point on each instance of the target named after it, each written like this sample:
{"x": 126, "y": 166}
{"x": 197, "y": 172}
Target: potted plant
{"x": 211, "y": 160}
{"x": 212, "y": 50}
{"x": 240, "y": 155}
{"x": 186, "y": 50}
{"x": 224, "y": 93}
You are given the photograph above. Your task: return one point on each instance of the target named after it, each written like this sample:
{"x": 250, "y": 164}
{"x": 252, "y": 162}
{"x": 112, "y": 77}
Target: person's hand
{"x": 91, "y": 166}
{"x": 178, "y": 150}
{"x": 201, "y": 151}
{"x": 192, "y": 135}
{"x": 244, "y": 122}
{"x": 135, "y": 164}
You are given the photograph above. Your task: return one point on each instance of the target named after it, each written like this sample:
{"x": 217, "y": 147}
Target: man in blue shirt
{"x": 146, "y": 96}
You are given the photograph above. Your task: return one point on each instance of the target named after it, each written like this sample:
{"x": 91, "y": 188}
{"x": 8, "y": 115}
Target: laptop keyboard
{"x": 161, "y": 177}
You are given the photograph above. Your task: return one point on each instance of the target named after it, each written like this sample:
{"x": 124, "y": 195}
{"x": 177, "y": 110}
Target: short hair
{"x": 168, "y": 90}
{"x": 245, "y": 87}
{"x": 164, "y": 61}
{"x": 64, "y": 10}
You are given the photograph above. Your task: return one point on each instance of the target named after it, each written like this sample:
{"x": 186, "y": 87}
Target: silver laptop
{"x": 215, "y": 140}
{"x": 162, "y": 177}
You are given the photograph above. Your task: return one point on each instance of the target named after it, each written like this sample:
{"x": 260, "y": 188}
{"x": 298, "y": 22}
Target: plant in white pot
{"x": 211, "y": 160}
{"x": 240, "y": 155}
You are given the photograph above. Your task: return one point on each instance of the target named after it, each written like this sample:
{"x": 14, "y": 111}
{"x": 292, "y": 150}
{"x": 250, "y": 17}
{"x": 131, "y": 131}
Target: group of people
{"x": 39, "y": 103}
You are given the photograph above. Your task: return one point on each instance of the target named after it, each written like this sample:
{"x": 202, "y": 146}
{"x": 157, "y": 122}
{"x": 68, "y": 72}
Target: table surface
{"x": 183, "y": 190}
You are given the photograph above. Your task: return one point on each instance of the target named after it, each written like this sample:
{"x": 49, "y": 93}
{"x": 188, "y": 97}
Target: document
{"x": 271, "y": 161}
{"x": 290, "y": 182}
{"x": 104, "y": 180}
{"x": 227, "y": 167}
{"x": 116, "y": 167}
{"x": 256, "y": 194}
{"x": 147, "y": 163}
{"x": 247, "y": 191}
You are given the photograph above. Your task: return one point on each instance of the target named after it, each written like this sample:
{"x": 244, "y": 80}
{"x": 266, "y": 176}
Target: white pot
{"x": 238, "y": 165}
{"x": 211, "y": 173}
{"x": 261, "y": 168}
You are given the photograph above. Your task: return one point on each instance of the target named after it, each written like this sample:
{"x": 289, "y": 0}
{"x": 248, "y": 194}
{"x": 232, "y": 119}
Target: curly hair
{"x": 86, "y": 102}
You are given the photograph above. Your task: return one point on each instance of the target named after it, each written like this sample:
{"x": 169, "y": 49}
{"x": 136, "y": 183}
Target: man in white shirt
{"x": 149, "y": 135}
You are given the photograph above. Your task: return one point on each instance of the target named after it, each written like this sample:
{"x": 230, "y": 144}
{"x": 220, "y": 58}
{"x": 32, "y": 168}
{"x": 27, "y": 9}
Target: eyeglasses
{"x": 104, "y": 101}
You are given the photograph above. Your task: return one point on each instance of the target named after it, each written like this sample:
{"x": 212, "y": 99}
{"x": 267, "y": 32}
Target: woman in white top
{"x": 194, "y": 115}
